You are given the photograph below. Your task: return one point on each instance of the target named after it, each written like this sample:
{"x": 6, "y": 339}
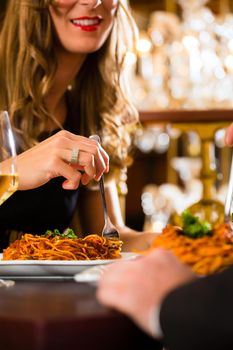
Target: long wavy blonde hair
{"x": 28, "y": 65}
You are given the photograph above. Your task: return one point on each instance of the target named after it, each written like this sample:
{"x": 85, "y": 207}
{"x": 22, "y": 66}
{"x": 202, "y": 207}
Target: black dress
{"x": 35, "y": 211}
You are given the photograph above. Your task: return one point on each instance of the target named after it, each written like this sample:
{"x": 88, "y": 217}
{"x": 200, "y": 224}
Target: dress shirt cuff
{"x": 154, "y": 323}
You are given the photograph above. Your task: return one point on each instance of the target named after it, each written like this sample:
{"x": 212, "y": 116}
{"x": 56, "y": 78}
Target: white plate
{"x": 51, "y": 267}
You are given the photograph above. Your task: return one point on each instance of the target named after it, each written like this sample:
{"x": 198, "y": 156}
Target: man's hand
{"x": 138, "y": 286}
{"x": 229, "y": 136}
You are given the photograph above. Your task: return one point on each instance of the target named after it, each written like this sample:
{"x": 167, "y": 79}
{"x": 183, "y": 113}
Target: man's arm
{"x": 195, "y": 313}
{"x": 199, "y": 315}
{"x": 229, "y": 135}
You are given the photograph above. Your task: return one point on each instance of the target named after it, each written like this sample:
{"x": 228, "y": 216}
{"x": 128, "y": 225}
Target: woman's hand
{"x": 52, "y": 158}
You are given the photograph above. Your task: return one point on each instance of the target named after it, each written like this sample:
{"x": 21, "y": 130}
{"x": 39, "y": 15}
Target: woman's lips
{"x": 87, "y": 23}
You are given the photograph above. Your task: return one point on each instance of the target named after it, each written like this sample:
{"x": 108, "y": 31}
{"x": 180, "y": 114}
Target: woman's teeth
{"x": 85, "y": 22}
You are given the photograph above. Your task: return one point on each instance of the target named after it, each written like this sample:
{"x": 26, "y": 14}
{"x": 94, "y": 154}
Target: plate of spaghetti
{"x": 58, "y": 254}
{"x": 204, "y": 248}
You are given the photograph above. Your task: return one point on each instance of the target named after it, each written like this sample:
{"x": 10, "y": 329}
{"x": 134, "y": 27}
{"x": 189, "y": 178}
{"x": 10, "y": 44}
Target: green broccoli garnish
{"x": 68, "y": 233}
{"x": 193, "y": 227}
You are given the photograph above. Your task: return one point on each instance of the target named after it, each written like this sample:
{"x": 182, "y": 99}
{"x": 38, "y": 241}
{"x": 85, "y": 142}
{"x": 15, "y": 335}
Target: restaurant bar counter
{"x": 63, "y": 315}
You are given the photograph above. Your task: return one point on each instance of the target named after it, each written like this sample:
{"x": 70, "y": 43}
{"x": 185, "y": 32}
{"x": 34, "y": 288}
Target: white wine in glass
{"x": 8, "y": 171}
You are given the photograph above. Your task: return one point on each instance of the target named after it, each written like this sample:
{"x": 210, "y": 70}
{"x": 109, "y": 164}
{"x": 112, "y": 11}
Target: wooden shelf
{"x": 186, "y": 116}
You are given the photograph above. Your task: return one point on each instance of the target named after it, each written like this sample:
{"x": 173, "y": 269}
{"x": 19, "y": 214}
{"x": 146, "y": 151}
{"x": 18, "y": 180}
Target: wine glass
{"x": 8, "y": 171}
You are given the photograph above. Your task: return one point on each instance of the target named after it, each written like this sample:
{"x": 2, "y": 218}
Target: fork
{"x": 109, "y": 230}
{"x": 229, "y": 195}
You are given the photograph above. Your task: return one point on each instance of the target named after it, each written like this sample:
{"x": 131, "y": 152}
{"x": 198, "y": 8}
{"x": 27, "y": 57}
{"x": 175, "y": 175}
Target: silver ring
{"x": 74, "y": 156}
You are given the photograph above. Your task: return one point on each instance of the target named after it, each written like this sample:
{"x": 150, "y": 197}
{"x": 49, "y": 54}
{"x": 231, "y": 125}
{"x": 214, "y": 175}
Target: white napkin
{"x": 90, "y": 275}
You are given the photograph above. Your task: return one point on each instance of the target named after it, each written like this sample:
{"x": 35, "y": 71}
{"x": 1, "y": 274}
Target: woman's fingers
{"x": 101, "y": 153}
{"x": 71, "y": 175}
{"x": 69, "y": 141}
{"x": 92, "y": 157}
{"x": 85, "y": 163}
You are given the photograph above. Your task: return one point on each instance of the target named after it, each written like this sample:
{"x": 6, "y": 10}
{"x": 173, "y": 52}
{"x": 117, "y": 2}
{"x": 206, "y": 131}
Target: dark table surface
{"x": 63, "y": 315}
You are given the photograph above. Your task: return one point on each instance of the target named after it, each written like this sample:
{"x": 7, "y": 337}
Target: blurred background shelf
{"x": 186, "y": 116}
{"x": 147, "y": 6}
{"x": 182, "y": 83}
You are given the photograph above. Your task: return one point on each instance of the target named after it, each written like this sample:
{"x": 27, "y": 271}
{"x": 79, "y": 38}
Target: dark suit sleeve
{"x": 199, "y": 315}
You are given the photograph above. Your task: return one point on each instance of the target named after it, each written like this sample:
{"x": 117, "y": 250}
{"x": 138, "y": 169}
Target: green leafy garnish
{"x": 193, "y": 227}
{"x": 68, "y": 233}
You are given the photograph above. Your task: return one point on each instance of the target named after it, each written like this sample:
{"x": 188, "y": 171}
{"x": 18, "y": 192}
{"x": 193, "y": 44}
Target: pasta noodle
{"x": 92, "y": 247}
{"x": 205, "y": 255}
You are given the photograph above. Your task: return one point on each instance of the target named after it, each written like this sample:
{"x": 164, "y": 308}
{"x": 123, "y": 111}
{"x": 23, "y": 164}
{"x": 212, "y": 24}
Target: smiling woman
{"x": 46, "y": 47}
{"x": 83, "y": 29}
